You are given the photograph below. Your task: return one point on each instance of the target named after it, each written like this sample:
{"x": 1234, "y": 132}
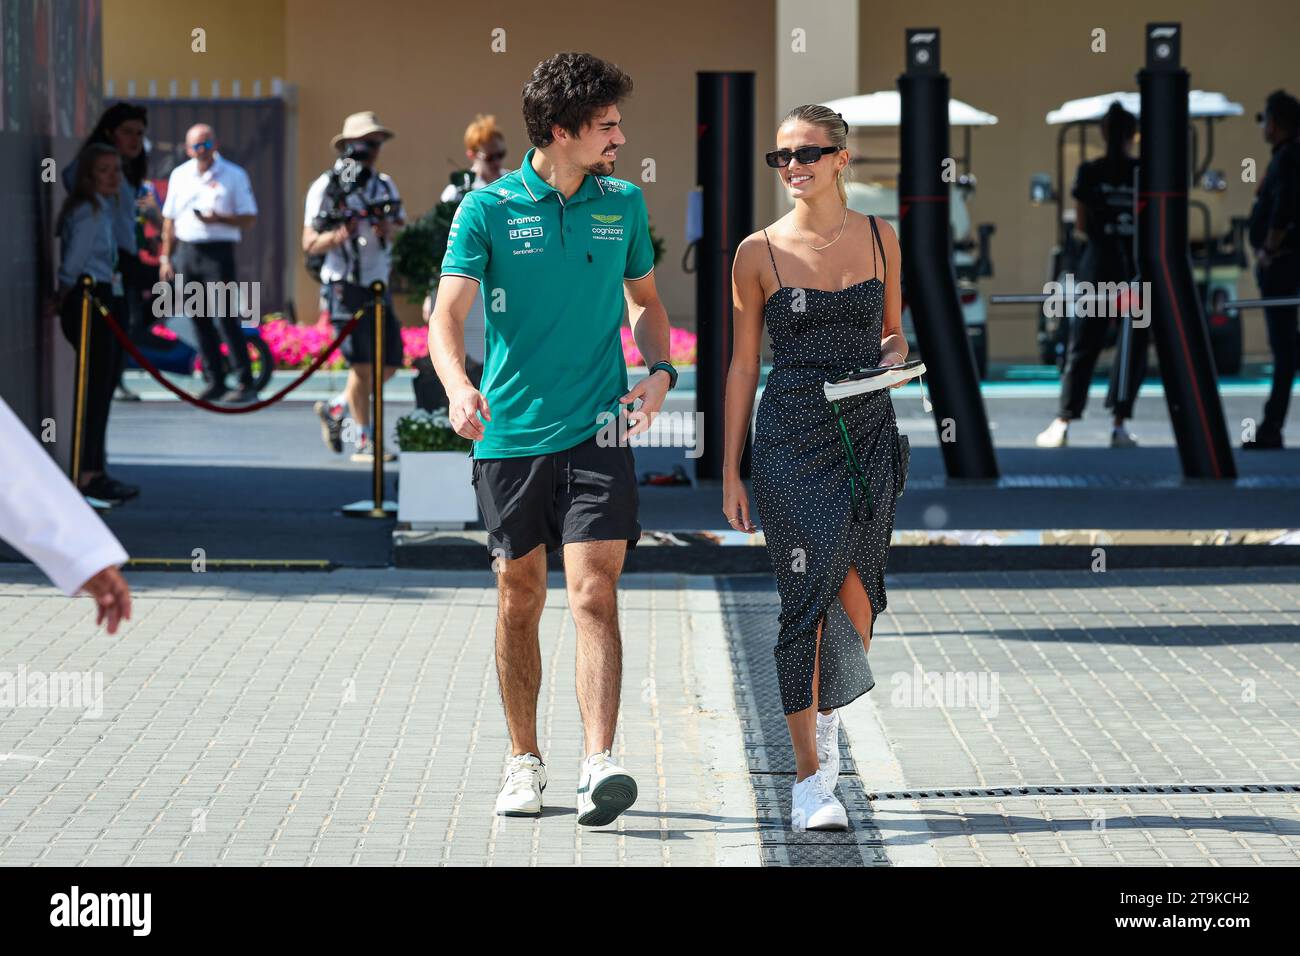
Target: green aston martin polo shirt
{"x": 552, "y": 272}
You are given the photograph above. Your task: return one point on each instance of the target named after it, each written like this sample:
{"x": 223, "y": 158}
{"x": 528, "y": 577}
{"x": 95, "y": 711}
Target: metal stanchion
{"x": 1279, "y": 301}
{"x": 376, "y": 506}
{"x": 87, "y": 286}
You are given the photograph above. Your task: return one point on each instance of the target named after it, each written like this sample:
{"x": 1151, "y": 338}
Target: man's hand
{"x": 386, "y": 229}
{"x": 166, "y": 271}
{"x": 651, "y": 390}
{"x": 112, "y": 597}
{"x": 462, "y": 408}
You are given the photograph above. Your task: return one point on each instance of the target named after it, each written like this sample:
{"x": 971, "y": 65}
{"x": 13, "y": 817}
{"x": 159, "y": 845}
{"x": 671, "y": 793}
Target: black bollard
{"x": 930, "y": 284}
{"x": 1164, "y": 260}
{"x": 725, "y": 170}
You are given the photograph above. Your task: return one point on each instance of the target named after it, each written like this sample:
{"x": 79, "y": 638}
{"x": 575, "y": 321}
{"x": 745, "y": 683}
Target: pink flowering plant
{"x": 681, "y": 348}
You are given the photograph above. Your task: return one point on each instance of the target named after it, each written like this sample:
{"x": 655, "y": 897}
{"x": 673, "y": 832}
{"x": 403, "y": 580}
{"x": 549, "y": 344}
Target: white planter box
{"x": 434, "y": 490}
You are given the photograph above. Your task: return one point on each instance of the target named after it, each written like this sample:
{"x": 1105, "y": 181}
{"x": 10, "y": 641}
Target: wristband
{"x": 667, "y": 367}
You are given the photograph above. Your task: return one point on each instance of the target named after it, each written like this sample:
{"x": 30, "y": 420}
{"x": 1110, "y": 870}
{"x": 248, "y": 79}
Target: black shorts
{"x": 343, "y": 299}
{"x": 584, "y": 493}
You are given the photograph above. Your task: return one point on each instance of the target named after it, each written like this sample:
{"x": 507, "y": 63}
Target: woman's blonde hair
{"x": 833, "y": 125}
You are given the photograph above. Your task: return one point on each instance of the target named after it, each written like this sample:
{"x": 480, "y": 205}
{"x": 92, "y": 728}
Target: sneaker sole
{"x": 612, "y": 796}
{"x": 840, "y": 827}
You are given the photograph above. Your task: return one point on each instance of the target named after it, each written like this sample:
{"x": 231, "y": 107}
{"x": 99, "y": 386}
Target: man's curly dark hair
{"x": 568, "y": 90}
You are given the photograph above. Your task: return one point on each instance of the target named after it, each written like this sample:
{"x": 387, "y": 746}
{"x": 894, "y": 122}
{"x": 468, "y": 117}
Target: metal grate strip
{"x": 749, "y": 613}
{"x": 1091, "y": 789}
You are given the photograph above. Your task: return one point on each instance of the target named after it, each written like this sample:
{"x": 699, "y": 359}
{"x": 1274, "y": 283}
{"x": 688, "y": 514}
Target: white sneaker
{"x": 1053, "y": 436}
{"x": 814, "y": 807}
{"x": 521, "y": 794}
{"x": 604, "y": 791}
{"x": 828, "y": 746}
{"x": 1121, "y": 437}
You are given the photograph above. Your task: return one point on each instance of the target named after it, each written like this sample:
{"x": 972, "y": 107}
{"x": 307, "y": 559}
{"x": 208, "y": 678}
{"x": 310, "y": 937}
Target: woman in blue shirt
{"x": 88, "y": 246}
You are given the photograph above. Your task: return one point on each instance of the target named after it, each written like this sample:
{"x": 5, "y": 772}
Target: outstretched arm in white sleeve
{"x": 47, "y": 519}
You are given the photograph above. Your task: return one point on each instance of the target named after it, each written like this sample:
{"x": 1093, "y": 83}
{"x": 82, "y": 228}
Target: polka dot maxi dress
{"x": 817, "y": 521}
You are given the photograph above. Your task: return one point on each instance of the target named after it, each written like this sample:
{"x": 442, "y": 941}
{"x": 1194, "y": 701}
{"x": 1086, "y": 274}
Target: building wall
{"x": 433, "y": 67}
{"x": 49, "y": 58}
{"x": 426, "y": 69}
{"x": 152, "y": 40}
{"x": 1019, "y": 59}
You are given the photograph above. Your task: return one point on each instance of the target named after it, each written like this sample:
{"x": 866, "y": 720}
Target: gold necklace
{"x": 829, "y": 244}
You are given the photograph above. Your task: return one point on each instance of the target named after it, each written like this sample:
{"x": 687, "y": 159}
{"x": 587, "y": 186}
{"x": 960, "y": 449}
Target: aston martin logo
{"x": 605, "y": 219}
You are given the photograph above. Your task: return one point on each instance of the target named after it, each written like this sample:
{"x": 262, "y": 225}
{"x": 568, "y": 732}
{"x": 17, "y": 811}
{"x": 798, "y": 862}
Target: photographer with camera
{"x": 353, "y": 213}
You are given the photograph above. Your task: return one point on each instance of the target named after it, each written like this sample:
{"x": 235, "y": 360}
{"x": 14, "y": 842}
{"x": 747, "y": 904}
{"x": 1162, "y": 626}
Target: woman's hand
{"x": 893, "y": 358}
{"x": 735, "y": 504}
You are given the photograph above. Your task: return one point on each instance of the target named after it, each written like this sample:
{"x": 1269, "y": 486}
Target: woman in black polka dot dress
{"x": 825, "y": 281}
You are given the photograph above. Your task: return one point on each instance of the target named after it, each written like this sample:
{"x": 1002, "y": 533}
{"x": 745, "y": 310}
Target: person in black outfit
{"x": 1103, "y": 190}
{"x": 88, "y": 246}
{"x": 1275, "y": 237}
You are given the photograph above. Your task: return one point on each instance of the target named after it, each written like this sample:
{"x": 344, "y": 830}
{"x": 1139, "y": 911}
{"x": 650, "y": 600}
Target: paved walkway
{"x": 352, "y": 717}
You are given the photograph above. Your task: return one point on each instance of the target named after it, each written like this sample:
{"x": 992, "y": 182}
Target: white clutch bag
{"x": 872, "y": 379}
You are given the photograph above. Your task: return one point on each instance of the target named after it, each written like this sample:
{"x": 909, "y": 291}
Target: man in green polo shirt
{"x": 557, "y": 246}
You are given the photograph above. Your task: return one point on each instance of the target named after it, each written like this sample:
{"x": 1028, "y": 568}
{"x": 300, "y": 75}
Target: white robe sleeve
{"x": 44, "y": 516}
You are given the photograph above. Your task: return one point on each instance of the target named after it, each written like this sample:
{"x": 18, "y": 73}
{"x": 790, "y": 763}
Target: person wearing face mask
{"x": 485, "y": 148}
{"x": 825, "y": 281}
{"x": 352, "y": 215}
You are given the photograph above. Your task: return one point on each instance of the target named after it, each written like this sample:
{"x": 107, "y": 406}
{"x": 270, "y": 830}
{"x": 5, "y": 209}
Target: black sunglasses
{"x": 495, "y": 157}
{"x": 780, "y": 158}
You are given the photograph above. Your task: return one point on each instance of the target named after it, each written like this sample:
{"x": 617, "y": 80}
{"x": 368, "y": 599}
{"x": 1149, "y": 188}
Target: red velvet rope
{"x": 185, "y": 396}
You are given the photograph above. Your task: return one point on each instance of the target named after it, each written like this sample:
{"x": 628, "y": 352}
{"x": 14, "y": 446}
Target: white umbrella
{"x": 1090, "y": 109}
{"x": 882, "y": 109}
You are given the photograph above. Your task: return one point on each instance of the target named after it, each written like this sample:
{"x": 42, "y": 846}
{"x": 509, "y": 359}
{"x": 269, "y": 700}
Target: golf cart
{"x": 874, "y": 190}
{"x": 1217, "y": 259}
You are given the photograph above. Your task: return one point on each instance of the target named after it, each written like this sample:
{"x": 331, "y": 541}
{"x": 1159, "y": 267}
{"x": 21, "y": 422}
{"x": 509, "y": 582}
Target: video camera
{"x": 331, "y": 217}
{"x": 348, "y": 175}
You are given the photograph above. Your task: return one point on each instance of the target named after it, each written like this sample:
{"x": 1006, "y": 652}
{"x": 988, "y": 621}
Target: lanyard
{"x": 855, "y": 469}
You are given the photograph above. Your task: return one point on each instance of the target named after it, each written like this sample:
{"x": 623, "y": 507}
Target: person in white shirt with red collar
{"x": 209, "y": 204}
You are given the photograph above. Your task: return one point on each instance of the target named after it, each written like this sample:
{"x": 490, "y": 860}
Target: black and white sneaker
{"x": 331, "y": 426}
{"x": 605, "y": 790}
